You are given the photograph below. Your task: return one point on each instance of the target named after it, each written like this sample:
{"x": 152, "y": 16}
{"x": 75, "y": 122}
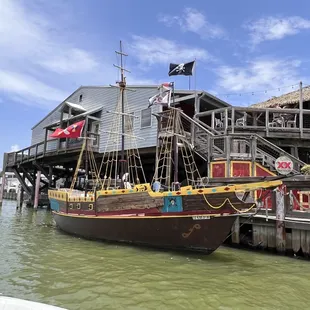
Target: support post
{"x": 212, "y": 119}
{"x": 50, "y": 176}
{"x": 227, "y": 148}
{"x": 20, "y": 195}
{"x": 86, "y": 167}
{"x": 253, "y": 155}
{"x": 61, "y": 122}
{"x": 69, "y": 116}
{"x": 233, "y": 120}
{"x": 280, "y": 226}
{"x": 235, "y": 236}
{"x": 2, "y": 188}
{"x": 226, "y": 121}
{"x": 267, "y": 123}
{"x": 45, "y": 142}
{"x": 37, "y": 190}
{"x": 301, "y": 121}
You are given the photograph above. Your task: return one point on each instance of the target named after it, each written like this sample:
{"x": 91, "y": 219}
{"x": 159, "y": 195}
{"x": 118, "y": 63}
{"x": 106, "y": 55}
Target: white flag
{"x": 163, "y": 97}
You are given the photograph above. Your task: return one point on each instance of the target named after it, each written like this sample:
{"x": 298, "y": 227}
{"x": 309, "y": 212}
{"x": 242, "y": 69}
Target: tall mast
{"x": 122, "y": 85}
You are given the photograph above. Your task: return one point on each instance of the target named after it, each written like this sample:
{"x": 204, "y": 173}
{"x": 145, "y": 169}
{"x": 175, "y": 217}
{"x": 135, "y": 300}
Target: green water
{"x": 40, "y": 263}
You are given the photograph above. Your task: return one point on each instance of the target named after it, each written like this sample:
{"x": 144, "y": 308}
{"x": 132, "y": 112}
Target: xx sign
{"x": 284, "y": 165}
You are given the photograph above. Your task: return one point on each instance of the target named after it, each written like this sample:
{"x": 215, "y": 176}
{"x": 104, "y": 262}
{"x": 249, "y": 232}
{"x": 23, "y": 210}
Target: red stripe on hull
{"x": 182, "y": 233}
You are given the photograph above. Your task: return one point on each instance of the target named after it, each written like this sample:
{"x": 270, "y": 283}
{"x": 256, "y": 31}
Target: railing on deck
{"x": 236, "y": 119}
{"x": 230, "y": 146}
{"x": 50, "y": 147}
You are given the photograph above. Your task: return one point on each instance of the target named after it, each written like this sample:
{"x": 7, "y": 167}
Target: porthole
{"x": 78, "y": 206}
{"x": 70, "y": 206}
{"x": 90, "y": 206}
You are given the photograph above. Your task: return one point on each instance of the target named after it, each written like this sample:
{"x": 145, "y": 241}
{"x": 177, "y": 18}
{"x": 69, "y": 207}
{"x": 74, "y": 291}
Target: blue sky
{"x": 50, "y": 48}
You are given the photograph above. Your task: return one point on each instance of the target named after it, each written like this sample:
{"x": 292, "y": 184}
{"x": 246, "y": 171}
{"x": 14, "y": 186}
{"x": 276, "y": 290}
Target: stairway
{"x": 212, "y": 145}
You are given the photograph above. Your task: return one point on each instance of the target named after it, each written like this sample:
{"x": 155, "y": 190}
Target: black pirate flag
{"x": 181, "y": 69}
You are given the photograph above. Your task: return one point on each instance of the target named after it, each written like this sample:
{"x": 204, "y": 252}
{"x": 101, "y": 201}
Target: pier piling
{"x": 37, "y": 190}
{"x": 280, "y": 226}
{"x": 2, "y": 188}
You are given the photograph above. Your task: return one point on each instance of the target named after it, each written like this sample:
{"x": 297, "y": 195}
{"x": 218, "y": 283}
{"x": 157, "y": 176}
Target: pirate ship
{"x": 121, "y": 206}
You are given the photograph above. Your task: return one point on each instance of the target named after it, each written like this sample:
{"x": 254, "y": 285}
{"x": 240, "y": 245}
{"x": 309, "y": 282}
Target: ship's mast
{"x": 122, "y": 85}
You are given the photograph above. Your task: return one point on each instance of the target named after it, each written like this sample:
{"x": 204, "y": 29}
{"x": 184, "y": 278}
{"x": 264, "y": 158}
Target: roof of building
{"x": 288, "y": 99}
{"x": 177, "y": 91}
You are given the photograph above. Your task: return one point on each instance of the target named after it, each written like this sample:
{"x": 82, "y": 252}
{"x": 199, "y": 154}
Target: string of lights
{"x": 266, "y": 91}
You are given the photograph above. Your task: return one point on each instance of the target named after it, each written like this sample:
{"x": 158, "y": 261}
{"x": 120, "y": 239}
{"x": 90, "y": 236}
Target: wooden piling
{"x": 280, "y": 226}
{"x": 37, "y": 190}
{"x": 2, "y": 188}
{"x": 235, "y": 236}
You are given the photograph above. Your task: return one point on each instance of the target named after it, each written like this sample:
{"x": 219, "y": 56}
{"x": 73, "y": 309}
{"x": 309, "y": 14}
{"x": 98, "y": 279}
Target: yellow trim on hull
{"x": 184, "y": 191}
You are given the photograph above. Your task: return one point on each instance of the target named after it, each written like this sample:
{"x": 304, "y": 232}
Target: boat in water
{"x": 11, "y": 303}
{"x": 122, "y": 206}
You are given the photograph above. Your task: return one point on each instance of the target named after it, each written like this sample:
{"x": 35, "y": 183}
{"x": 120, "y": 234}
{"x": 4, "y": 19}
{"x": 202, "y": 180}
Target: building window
{"x": 81, "y": 98}
{"x": 129, "y": 121}
{"x": 146, "y": 118}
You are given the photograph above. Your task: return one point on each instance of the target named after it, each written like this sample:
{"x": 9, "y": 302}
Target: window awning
{"x": 75, "y": 106}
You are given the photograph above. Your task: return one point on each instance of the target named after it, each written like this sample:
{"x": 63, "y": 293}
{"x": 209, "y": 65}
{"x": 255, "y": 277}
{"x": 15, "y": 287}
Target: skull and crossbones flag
{"x": 181, "y": 69}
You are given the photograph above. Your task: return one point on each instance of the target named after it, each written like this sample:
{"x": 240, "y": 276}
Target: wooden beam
{"x": 22, "y": 181}
{"x": 27, "y": 175}
{"x": 184, "y": 98}
{"x": 44, "y": 172}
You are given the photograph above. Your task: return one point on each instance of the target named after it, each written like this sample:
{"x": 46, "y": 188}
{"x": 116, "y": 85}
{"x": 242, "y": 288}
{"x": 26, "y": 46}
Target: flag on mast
{"x": 72, "y": 131}
{"x": 164, "y": 95}
{"x": 181, "y": 69}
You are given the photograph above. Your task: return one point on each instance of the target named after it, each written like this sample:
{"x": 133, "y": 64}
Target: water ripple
{"x": 40, "y": 263}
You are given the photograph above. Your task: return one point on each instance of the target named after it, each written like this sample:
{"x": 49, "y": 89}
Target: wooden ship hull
{"x": 176, "y": 232}
{"x": 188, "y": 219}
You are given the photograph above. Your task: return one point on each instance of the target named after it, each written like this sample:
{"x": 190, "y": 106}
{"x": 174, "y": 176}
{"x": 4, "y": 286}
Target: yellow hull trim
{"x": 184, "y": 191}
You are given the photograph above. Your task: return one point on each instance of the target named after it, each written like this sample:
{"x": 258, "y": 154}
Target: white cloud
{"x": 274, "y": 28}
{"x": 28, "y": 89}
{"x": 26, "y": 34}
{"x": 154, "y": 50}
{"x": 259, "y": 75}
{"x": 14, "y": 148}
{"x": 34, "y": 50}
{"x": 193, "y": 21}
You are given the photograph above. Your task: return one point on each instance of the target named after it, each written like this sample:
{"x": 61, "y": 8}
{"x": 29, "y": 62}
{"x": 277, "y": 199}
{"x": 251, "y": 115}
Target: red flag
{"x": 72, "y": 131}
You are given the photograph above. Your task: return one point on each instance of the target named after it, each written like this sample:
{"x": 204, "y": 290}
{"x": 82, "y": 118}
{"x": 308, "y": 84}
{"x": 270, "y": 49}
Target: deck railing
{"x": 236, "y": 119}
{"x": 49, "y": 147}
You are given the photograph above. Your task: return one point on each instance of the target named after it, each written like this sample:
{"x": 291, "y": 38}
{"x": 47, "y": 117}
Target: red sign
{"x": 284, "y": 165}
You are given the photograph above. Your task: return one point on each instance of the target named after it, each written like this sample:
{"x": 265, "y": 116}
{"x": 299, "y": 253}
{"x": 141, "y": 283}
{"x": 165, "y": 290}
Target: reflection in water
{"x": 40, "y": 263}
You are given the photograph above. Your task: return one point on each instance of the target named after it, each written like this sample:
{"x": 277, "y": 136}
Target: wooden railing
{"x": 49, "y": 147}
{"x": 236, "y": 119}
